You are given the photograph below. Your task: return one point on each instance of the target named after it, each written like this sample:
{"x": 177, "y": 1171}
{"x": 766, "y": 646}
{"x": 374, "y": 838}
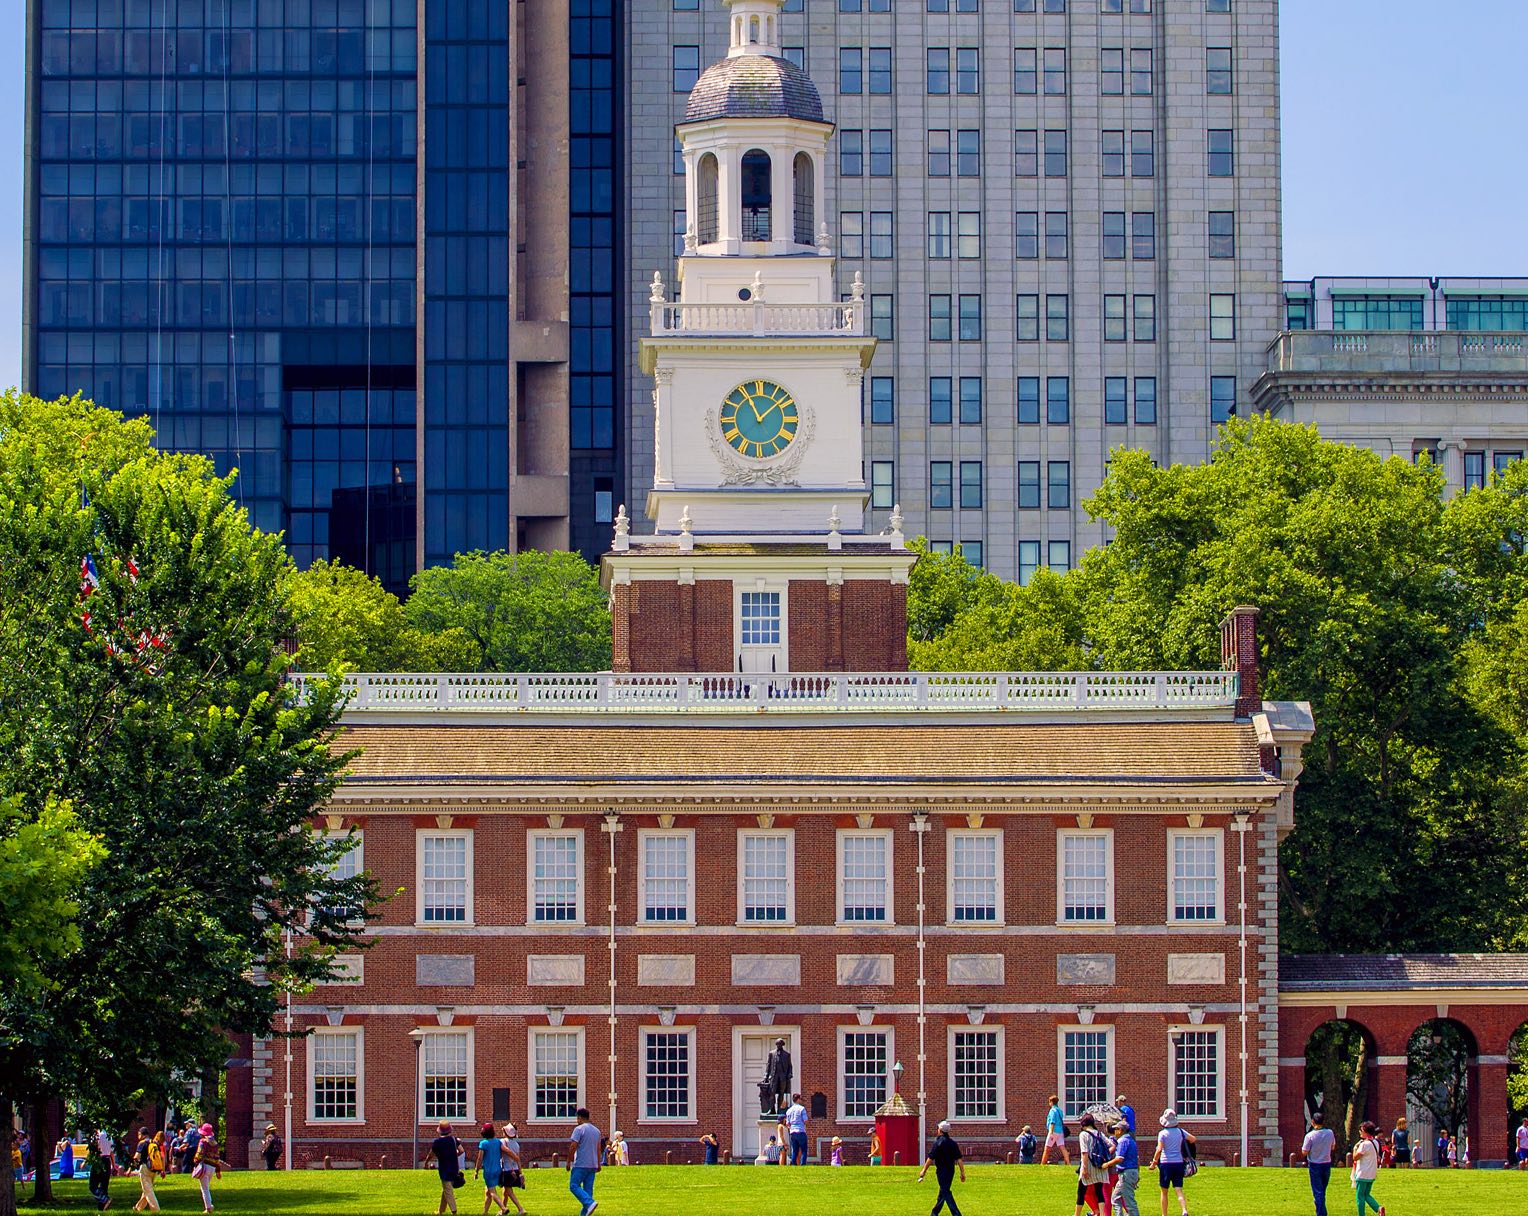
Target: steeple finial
{"x": 657, "y": 295}
{"x": 755, "y": 27}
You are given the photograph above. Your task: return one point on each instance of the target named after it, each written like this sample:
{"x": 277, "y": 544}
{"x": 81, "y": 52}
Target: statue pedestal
{"x": 767, "y": 1124}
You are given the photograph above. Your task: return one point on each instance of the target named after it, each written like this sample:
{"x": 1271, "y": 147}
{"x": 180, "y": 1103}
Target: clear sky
{"x": 1403, "y": 143}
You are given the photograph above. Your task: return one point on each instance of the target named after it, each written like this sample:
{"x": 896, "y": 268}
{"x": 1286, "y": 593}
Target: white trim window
{"x": 445, "y": 1075}
{"x": 668, "y": 1075}
{"x": 557, "y": 1072}
{"x": 976, "y": 1073}
{"x": 666, "y": 877}
{"x": 348, "y": 865}
{"x": 445, "y": 877}
{"x": 556, "y": 878}
{"x": 1087, "y": 1067}
{"x": 975, "y": 877}
{"x": 759, "y": 615}
{"x": 1194, "y": 872}
{"x": 766, "y": 866}
{"x": 864, "y": 877}
{"x": 1198, "y": 1072}
{"x": 336, "y": 1070}
{"x": 864, "y": 1066}
{"x": 1085, "y": 877}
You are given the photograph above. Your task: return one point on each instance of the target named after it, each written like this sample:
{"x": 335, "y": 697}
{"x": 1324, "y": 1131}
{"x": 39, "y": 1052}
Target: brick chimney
{"x": 1238, "y": 653}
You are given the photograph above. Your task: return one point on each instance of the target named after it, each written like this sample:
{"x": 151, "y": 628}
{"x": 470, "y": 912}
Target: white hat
{"x": 944, "y": 1125}
{"x": 1169, "y": 1118}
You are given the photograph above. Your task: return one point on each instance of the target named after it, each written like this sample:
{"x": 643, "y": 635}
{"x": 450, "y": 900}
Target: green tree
{"x": 522, "y": 611}
{"x": 156, "y": 707}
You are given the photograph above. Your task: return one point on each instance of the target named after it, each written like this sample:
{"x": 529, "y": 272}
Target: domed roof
{"x": 754, "y": 86}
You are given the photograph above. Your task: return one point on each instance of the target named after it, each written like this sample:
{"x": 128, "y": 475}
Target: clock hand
{"x": 758, "y": 417}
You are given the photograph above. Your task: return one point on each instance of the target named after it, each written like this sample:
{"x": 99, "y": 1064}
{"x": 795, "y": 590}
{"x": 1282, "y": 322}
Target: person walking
{"x": 143, "y": 1162}
{"x": 1316, "y": 1149}
{"x": 1127, "y": 1160}
{"x": 1127, "y": 1112}
{"x": 583, "y": 1162}
{"x": 159, "y": 1155}
{"x": 489, "y": 1166}
{"x": 1055, "y": 1132}
{"x": 188, "y": 1157}
{"x": 1171, "y": 1159}
{"x": 876, "y": 1149}
{"x": 1400, "y": 1144}
{"x": 513, "y": 1166}
{"x": 107, "y": 1149}
{"x": 945, "y": 1156}
{"x": 1092, "y": 1170}
{"x": 271, "y": 1146}
{"x": 446, "y": 1148}
{"x": 209, "y": 1163}
{"x": 98, "y": 1174}
{"x": 795, "y": 1128}
{"x": 1365, "y": 1162}
{"x": 712, "y": 1147}
{"x": 1522, "y": 1145}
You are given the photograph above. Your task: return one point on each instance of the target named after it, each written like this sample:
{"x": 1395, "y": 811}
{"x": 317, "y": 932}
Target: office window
{"x": 1487, "y": 313}
{"x": 1055, "y": 234}
{"x": 1057, "y": 318}
{"x": 1087, "y": 873}
{"x": 942, "y": 547}
{"x": 1026, "y": 156}
{"x": 1112, "y": 6}
{"x": 880, "y": 70}
{"x": 881, "y": 164}
{"x": 1111, "y": 71}
{"x": 767, "y": 873}
{"x": 939, "y": 154}
{"x": 851, "y": 153}
{"x": 1053, "y": 64}
{"x": 678, "y": 157}
{"x": 1026, "y": 320}
{"x": 1143, "y": 235}
{"x": 1029, "y": 561}
{"x": 1145, "y": 308}
{"x": 679, "y": 232}
{"x": 557, "y": 1067}
{"x": 940, "y": 483}
{"x": 1217, "y": 6}
{"x": 1112, "y": 153}
{"x": 975, "y": 883}
{"x": 851, "y": 234}
{"x": 1140, "y": 71}
{"x": 1221, "y": 144}
{"x": 334, "y": 1075}
{"x": 1223, "y": 234}
{"x": 666, "y": 1074}
{"x": 759, "y": 613}
{"x": 941, "y": 397}
{"x": 686, "y": 68}
{"x": 1029, "y": 485}
{"x": 970, "y": 485}
{"x": 881, "y": 321}
{"x": 969, "y": 234}
{"x": 1194, "y": 875}
{"x": 937, "y": 70}
{"x": 880, "y": 234}
{"x": 1055, "y": 154}
{"x": 864, "y": 877}
{"x": 939, "y": 317}
{"x": 936, "y": 6}
{"x": 1114, "y": 235}
{"x": 445, "y": 1062}
{"x": 1029, "y": 398}
{"x": 882, "y": 400}
{"x": 938, "y": 234}
{"x": 1377, "y": 312}
{"x": 794, "y": 54}
{"x": 1222, "y": 317}
{"x": 1146, "y": 400}
{"x": 1026, "y": 234}
{"x": 976, "y": 1064}
{"x": 1114, "y": 319}
{"x": 445, "y": 871}
{"x": 1222, "y": 398}
{"x": 557, "y": 872}
{"x": 970, "y": 400}
{"x": 970, "y": 318}
{"x": 1055, "y": 6}
{"x": 1196, "y": 1072}
{"x": 1143, "y": 156}
{"x": 667, "y": 874}
{"x": 851, "y": 70}
{"x": 1502, "y": 461}
{"x": 1058, "y": 475}
{"x": 1115, "y": 404}
{"x": 1474, "y": 470}
{"x": 865, "y": 1060}
{"x": 1084, "y": 1070}
{"x": 848, "y": 6}
{"x": 968, "y": 153}
{"x": 968, "y": 71}
{"x": 1025, "y": 78}
{"x": 1218, "y": 72}
{"x": 1296, "y": 313}
{"x": 883, "y": 486}
{"x": 1058, "y": 406}
{"x": 1058, "y": 556}
{"x": 681, "y": 6}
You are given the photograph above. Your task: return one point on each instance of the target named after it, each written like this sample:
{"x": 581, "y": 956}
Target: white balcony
{"x": 846, "y": 320}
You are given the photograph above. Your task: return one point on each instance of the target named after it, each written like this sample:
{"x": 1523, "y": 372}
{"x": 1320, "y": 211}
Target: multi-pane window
{"x": 1196, "y": 1073}
{"x": 1058, "y": 403}
{"x": 851, "y": 69}
{"x": 335, "y": 1071}
{"x": 970, "y": 400}
{"x": 1111, "y": 71}
{"x": 939, "y": 154}
{"x": 975, "y": 866}
{"x": 939, "y": 318}
{"x": 882, "y": 321}
{"x": 969, "y": 234}
{"x": 968, "y": 72}
{"x": 881, "y": 162}
{"x": 443, "y": 877}
{"x": 1084, "y": 1070}
{"x": 1029, "y": 561}
{"x": 1057, "y": 318}
{"x": 1055, "y": 154}
{"x": 1029, "y": 485}
{"x": 1194, "y": 877}
{"x": 1222, "y": 317}
{"x": 556, "y": 874}
{"x": 1377, "y": 312}
{"x": 851, "y": 153}
{"x": 1058, "y": 479}
{"x": 1143, "y": 154}
{"x": 1114, "y": 319}
{"x": 1112, "y": 153}
{"x": 766, "y": 874}
{"x": 1114, "y": 234}
{"x": 347, "y": 865}
{"x": 1140, "y": 71}
{"x": 1143, "y": 235}
{"x": 866, "y": 1066}
{"x": 883, "y": 486}
{"x": 1026, "y": 318}
{"x": 970, "y": 318}
{"x": 1146, "y": 400}
{"x": 1053, "y": 68}
{"x": 1055, "y": 234}
{"x": 1145, "y": 312}
{"x": 940, "y": 483}
{"x": 1028, "y": 390}
{"x": 667, "y": 857}
{"x": 666, "y": 1073}
{"x": 880, "y": 69}
{"x": 794, "y": 54}
{"x": 938, "y": 234}
{"x": 1086, "y": 889}
{"x": 1487, "y": 312}
{"x": 760, "y": 612}
{"x": 941, "y": 395}
{"x": 1474, "y": 470}
{"x": 1502, "y": 461}
{"x": 445, "y": 1061}
{"x": 976, "y": 1083}
{"x": 1026, "y": 234}
{"x": 556, "y": 1065}
{"x": 968, "y": 153}
{"x": 937, "y": 70}
{"x": 1025, "y": 78}
{"x": 851, "y": 234}
{"x": 970, "y": 485}
{"x": 882, "y": 400}
{"x": 1222, "y": 398}
{"x": 1026, "y": 154}
{"x": 864, "y": 876}
{"x": 1115, "y": 405}
{"x": 1220, "y": 145}
{"x": 1058, "y": 555}
{"x": 1217, "y": 69}
{"x": 880, "y": 234}
{"x": 686, "y": 68}
{"x": 1222, "y": 234}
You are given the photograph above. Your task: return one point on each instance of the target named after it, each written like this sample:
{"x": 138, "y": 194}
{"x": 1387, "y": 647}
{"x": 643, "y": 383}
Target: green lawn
{"x": 992, "y": 1190}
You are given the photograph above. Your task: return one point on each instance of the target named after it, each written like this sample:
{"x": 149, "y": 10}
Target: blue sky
{"x": 1403, "y": 147}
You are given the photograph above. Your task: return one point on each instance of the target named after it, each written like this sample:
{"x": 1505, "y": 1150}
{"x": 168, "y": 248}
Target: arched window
{"x": 806, "y": 220}
{"x": 756, "y": 195}
{"x": 753, "y": 29}
{"x": 705, "y": 200}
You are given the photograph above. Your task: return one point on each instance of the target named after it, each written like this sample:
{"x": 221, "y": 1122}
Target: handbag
{"x": 515, "y": 1180}
{"x": 1190, "y": 1156}
{"x": 459, "y": 1181}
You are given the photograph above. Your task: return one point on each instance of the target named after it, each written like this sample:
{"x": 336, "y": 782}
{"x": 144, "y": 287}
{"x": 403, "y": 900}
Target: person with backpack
{"x": 1027, "y": 1146}
{"x": 1171, "y": 1160}
{"x": 143, "y": 1162}
{"x": 271, "y": 1146}
{"x": 1092, "y": 1167}
{"x": 1055, "y": 1133}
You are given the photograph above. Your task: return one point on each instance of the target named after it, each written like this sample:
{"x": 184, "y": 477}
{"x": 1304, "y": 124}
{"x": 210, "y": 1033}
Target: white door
{"x": 761, "y": 630}
{"x": 750, "y": 1049}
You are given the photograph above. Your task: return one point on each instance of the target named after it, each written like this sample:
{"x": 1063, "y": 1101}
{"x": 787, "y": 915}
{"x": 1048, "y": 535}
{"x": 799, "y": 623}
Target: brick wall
{"x": 659, "y": 626}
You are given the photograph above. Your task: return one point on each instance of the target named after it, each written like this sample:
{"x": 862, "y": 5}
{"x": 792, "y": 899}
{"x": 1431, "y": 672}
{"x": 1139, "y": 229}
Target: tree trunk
{"x": 7, "y": 1178}
{"x": 43, "y": 1136}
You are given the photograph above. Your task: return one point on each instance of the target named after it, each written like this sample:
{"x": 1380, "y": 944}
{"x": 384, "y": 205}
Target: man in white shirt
{"x": 1522, "y": 1145}
{"x": 795, "y": 1124}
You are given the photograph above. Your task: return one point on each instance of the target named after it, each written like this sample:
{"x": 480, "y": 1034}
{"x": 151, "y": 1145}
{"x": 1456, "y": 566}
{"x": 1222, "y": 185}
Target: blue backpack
{"x": 1098, "y": 1149}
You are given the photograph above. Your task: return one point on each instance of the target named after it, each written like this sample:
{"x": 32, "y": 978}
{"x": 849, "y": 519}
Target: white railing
{"x": 842, "y": 320}
{"x": 606, "y": 692}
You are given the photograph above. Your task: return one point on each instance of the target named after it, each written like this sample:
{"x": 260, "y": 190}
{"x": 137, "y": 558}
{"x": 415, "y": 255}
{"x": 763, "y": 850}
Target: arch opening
{"x": 1440, "y": 1055}
{"x": 1517, "y": 1085}
{"x": 805, "y": 195}
{"x": 757, "y": 191}
{"x": 705, "y": 199}
{"x": 1340, "y": 1056}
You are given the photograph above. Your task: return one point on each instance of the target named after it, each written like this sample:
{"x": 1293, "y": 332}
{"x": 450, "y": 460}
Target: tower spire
{"x": 755, "y": 27}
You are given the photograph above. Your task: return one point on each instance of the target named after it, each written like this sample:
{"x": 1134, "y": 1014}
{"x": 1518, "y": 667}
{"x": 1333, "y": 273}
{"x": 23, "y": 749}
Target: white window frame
{"x": 354, "y": 861}
{"x": 1219, "y": 836}
{"x": 951, "y": 836}
{"x": 471, "y": 1034}
{"x": 1219, "y": 1031}
{"x": 317, "y": 1033}
{"x": 1002, "y": 1071}
{"x": 789, "y": 836}
{"x": 838, "y": 876}
{"x": 688, "y": 836}
{"x": 642, "y": 1116}
{"x": 890, "y": 1034}
{"x": 1061, "y": 1033}
{"x": 783, "y": 646}
{"x": 1108, "y": 836}
{"x": 419, "y": 838}
{"x": 530, "y": 1071}
{"x": 530, "y": 877}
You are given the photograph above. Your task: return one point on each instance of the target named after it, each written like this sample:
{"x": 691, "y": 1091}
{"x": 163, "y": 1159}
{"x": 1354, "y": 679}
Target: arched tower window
{"x": 756, "y": 195}
{"x": 753, "y": 29}
{"x": 804, "y": 193}
{"x": 705, "y": 200}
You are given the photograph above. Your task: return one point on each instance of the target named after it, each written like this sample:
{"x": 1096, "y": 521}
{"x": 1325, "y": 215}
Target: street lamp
{"x": 896, "y": 1077}
{"x": 417, "y": 1034}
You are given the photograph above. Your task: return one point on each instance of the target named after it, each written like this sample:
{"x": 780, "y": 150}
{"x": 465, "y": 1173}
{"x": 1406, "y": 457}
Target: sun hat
{"x": 944, "y": 1125}
{"x": 270, "y": 1127}
{"x": 838, "y": 1140}
{"x": 205, "y": 1129}
{"x": 1169, "y": 1118}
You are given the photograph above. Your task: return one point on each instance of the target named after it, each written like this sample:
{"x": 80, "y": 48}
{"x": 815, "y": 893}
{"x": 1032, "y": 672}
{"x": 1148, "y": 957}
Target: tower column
{"x": 729, "y": 197}
{"x": 782, "y": 189}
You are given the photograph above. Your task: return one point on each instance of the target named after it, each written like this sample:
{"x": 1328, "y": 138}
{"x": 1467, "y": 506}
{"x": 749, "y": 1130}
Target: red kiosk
{"x": 896, "y": 1124}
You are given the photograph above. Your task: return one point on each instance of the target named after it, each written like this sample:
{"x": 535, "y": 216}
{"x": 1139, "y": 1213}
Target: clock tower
{"x": 758, "y": 558}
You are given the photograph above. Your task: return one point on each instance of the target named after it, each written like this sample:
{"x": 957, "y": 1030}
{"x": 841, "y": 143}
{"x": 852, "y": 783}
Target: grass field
{"x": 992, "y": 1190}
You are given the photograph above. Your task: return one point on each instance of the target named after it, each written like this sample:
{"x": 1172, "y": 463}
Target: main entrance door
{"x": 751, "y": 1046}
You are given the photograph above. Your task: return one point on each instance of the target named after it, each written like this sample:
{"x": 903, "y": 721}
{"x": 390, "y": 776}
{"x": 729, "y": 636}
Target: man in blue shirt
{"x": 795, "y": 1124}
{"x": 583, "y": 1162}
{"x": 1126, "y": 1111}
{"x": 1127, "y": 1160}
{"x": 1317, "y": 1151}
